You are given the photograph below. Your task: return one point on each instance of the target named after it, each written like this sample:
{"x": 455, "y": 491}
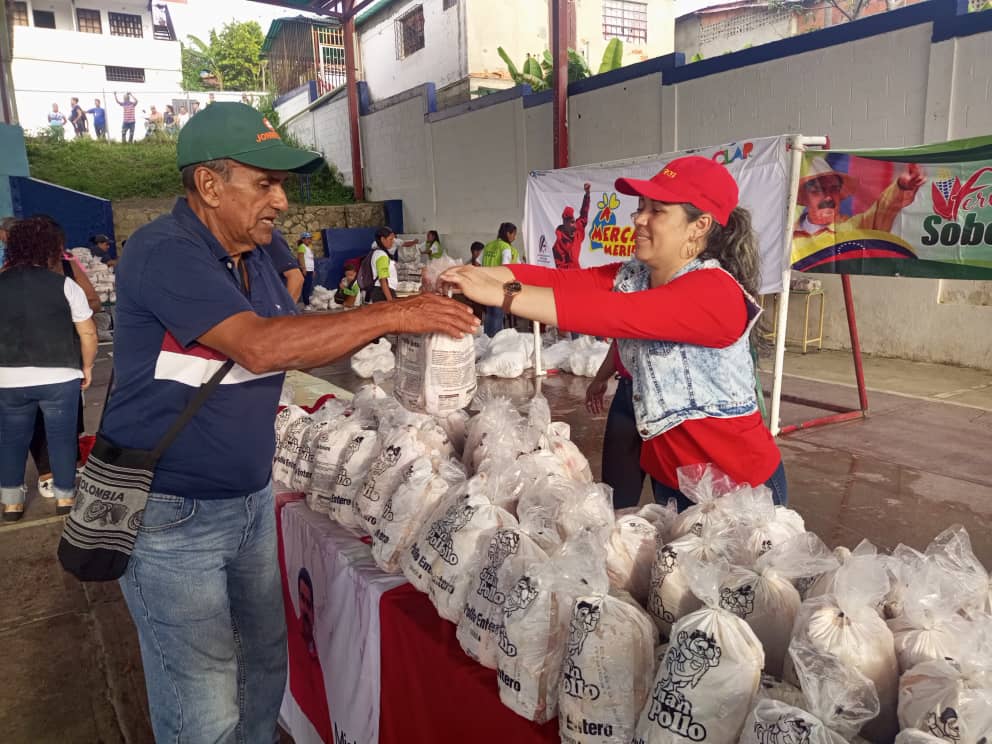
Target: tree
{"x": 232, "y": 57}
{"x": 539, "y": 74}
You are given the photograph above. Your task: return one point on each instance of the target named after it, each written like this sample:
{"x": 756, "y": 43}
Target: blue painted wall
{"x": 80, "y": 215}
{"x": 13, "y": 162}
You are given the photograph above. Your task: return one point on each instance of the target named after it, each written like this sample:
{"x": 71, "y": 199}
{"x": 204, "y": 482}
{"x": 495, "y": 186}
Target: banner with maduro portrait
{"x": 922, "y": 211}
{"x": 575, "y": 218}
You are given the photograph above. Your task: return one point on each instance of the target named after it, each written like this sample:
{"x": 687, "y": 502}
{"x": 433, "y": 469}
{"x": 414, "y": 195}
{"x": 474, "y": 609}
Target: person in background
{"x": 77, "y": 117}
{"x": 129, "y": 104}
{"x": 499, "y": 252}
{"x": 99, "y": 119}
{"x": 182, "y": 117}
{"x": 683, "y": 313}
{"x": 384, "y": 265}
{"x": 43, "y": 363}
{"x": 70, "y": 268}
{"x": 210, "y": 99}
{"x": 103, "y": 250}
{"x": 154, "y": 122}
{"x": 56, "y": 122}
{"x": 432, "y": 246}
{"x": 5, "y": 225}
{"x": 304, "y": 257}
{"x": 621, "y": 464}
{"x": 475, "y": 253}
{"x": 194, "y": 107}
{"x": 348, "y": 290}
{"x": 169, "y": 120}
{"x": 286, "y": 264}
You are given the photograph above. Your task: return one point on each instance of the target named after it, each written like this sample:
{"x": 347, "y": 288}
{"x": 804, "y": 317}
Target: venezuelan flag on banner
{"x": 922, "y": 211}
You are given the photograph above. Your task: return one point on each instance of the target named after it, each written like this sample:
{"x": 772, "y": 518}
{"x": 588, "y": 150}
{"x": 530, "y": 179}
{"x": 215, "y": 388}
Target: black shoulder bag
{"x": 100, "y": 531}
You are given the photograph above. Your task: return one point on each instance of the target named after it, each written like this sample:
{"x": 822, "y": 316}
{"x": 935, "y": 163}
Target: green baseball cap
{"x": 239, "y": 132}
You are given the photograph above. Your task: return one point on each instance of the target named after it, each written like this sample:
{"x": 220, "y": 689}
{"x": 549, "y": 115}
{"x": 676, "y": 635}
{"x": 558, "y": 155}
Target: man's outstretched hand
{"x": 431, "y": 313}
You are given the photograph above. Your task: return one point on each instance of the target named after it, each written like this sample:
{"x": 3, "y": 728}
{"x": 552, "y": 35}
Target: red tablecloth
{"x": 429, "y": 690}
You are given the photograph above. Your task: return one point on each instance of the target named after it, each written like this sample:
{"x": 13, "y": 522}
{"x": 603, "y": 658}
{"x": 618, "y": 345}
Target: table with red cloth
{"x": 372, "y": 662}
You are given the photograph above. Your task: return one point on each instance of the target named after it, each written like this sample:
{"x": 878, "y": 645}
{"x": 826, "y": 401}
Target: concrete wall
{"x": 325, "y": 128}
{"x": 911, "y": 76}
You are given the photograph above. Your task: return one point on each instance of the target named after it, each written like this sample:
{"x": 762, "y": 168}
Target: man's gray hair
{"x": 221, "y": 166}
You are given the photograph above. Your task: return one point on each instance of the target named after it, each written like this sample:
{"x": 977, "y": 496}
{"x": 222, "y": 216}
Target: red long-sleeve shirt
{"x": 704, "y": 308}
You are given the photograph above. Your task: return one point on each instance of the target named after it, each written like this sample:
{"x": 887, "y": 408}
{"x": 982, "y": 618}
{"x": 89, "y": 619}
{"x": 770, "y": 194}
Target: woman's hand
{"x": 595, "y": 394}
{"x": 476, "y": 283}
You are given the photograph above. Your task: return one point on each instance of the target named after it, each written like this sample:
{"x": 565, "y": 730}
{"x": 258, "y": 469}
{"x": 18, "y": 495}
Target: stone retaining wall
{"x": 129, "y": 216}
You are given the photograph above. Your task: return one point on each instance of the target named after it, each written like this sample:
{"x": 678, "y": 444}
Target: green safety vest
{"x": 492, "y": 254}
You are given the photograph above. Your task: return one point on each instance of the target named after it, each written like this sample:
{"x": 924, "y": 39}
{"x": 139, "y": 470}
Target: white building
{"x": 92, "y": 49}
{"x": 454, "y": 43}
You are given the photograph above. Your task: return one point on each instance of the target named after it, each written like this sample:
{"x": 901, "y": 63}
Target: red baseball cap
{"x": 568, "y": 212}
{"x": 691, "y": 180}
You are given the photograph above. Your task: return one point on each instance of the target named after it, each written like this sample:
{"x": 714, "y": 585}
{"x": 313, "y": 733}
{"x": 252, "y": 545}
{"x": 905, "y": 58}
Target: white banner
{"x": 333, "y": 638}
{"x": 604, "y": 230}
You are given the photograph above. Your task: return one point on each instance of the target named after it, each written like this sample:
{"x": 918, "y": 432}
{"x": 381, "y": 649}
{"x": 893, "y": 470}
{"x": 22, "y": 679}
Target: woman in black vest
{"x": 47, "y": 350}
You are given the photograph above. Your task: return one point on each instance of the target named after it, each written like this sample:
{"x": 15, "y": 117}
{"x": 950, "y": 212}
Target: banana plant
{"x": 539, "y": 75}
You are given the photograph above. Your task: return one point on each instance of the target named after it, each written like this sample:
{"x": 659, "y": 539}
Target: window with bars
{"x": 19, "y": 14}
{"x": 125, "y": 74}
{"x": 88, "y": 21}
{"x": 125, "y": 24}
{"x": 410, "y": 33}
{"x": 44, "y": 19}
{"x": 330, "y": 36}
{"x": 625, "y": 19}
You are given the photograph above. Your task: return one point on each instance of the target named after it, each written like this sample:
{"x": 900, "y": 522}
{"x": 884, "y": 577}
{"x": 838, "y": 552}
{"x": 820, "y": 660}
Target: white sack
{"x": 481, "y": 631}
{"x": 630, "y": 556}
{"x": 607, "y": 670}
{"x": 948, "y": 699}
{"x": 373, "y": 358}
{"x": 706, "y": 684}
{"x": 536, "y": 614}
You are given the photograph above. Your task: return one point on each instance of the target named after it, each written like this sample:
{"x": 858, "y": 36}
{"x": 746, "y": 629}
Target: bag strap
{"x": 194, "y": 405}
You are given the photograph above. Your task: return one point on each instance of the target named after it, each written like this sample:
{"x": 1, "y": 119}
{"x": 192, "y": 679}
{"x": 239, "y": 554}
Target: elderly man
{"x": 203, "y": 581}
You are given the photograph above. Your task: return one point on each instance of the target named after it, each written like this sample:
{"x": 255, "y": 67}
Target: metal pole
{"x": 7, "y": 103}
{"x": 351, "y": 84}
{"x": 852, "y": 326}
{"x": 799, "y": 145}
{"x": 559, "y": 54}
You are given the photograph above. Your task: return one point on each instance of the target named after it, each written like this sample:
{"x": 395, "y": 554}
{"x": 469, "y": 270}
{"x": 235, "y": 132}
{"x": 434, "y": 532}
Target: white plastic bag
{"x": 765, "y": 524}
{"x": 456, "y": 543}
{"x": 706, "y": 486}
{"x": 630, "y": 555}
{"x": 506, "y": 356}
{"x": 929, "y": 627}
{"x": 536, "y": 615}
{"x": 711, "y": 672}
{"x": 539, "y": 505}
{"x": 399, "y": 449}
{"x": 661, "y": 517}
{"x": 847, "y": 626}
{"x": 373, "y": 358}
{"x": 481, "y": 632}
{"x": 670, "y": 596}
{"x": 949, "y": 699}
{"x": 342, "y": 481}
{"x": 405, "y": 510}
{"x": 915, "y": 736}
{"x": 951, "y": 552}
{"x": 764, "y": 595}
{"x": 289, "y": 445}
{"x": 607, "y": 670}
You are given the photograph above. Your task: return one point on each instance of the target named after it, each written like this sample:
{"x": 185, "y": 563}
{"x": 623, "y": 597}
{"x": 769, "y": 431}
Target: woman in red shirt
{"x": 681, "y": 311}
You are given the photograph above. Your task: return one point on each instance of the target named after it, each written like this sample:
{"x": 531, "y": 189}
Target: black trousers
{"x": 622, "y": 449}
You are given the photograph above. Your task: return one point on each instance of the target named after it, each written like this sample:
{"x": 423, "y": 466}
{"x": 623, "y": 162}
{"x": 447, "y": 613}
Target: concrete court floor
{"x": 71, "y": 671}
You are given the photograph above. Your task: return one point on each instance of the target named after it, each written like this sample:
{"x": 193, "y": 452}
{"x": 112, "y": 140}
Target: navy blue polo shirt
{"x": 174, "y": 283}
{"x": 280, "y": 254}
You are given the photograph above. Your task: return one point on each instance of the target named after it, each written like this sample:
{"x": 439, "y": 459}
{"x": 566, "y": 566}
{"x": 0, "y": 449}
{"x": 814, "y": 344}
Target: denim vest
{"x": 675, "y": 382}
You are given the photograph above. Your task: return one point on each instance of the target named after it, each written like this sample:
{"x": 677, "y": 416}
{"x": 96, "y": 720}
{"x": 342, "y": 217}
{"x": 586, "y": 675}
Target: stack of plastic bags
{"x": 100, "y": 275}
{"x": 373, "y": 359}
{"x": 321, "y": 299}
{"x": 495, "y": 517}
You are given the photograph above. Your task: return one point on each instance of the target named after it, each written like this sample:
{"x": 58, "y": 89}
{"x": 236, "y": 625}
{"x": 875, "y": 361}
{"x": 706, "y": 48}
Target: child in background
{"x": 476, "y": 251}
{"x": 432, "y": 246}
{"x": 347, "y": 293}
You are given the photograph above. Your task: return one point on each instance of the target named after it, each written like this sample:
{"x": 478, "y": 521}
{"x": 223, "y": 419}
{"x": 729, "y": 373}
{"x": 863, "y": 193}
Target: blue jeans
{"x": 493, "y": 323}
{"x": 18, "y": 407}
{"x": 777, "y": 483}
{"x": 622, "y": 449}
{"x": 204, "y": 590}
{"x": 307, "y": 287}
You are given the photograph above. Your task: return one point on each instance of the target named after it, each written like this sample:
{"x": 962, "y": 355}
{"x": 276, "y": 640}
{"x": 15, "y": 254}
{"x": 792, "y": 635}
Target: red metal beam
{"x": 559, "y": 54}
{"x": 351, "y": 84}
{"x": 852, "y": 327}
